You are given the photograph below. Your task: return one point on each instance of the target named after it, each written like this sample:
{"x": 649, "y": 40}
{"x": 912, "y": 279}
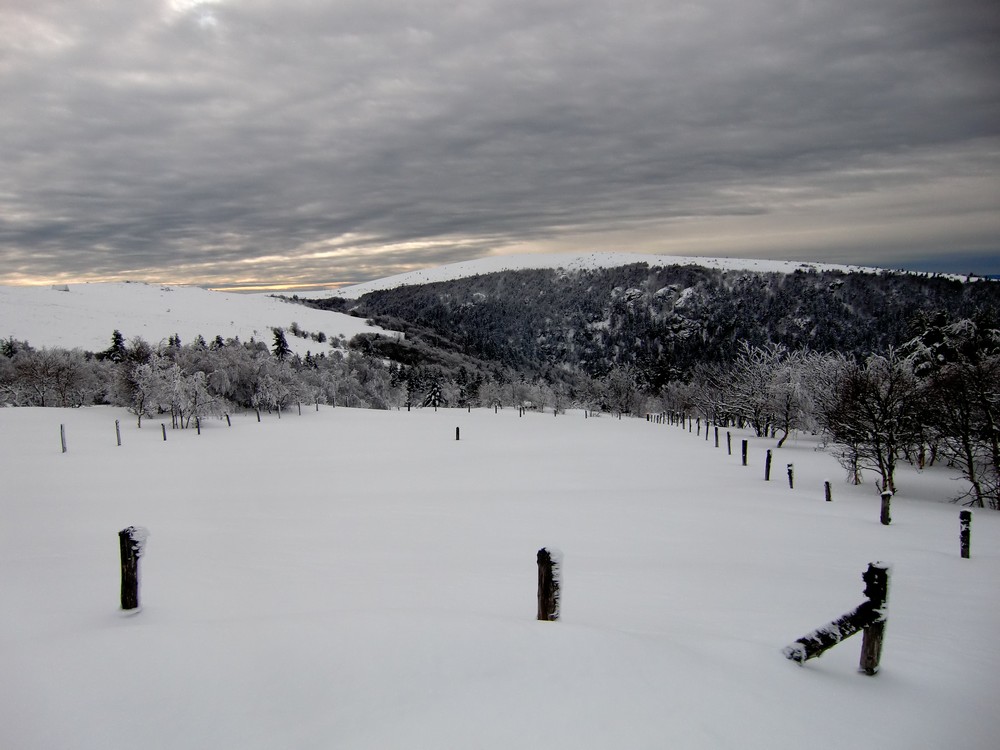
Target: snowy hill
{"x": 573, "y": 262}
{"x": 301, "y": 590}
{"x": 84, "y": 315}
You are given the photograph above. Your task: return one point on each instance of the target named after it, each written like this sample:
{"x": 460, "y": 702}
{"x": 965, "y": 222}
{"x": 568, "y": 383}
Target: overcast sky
{"x": 267, "y": 142}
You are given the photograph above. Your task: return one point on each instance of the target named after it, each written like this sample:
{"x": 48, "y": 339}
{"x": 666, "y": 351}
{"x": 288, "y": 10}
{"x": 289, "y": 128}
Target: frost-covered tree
{"x": 871, "y": 414}
{"x": 959, "y": 368}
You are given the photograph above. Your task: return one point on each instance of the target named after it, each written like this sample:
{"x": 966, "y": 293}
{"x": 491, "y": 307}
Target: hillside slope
{"x": 86, "y": 314}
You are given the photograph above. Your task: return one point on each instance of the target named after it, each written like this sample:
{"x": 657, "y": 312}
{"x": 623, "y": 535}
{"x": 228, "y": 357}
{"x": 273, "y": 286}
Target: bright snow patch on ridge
{"x": 86, "y": 314}
{"x": 573, "y": 262}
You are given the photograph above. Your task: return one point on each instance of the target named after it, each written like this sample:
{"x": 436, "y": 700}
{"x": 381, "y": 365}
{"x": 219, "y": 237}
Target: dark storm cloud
{"x": 322, "y": 141}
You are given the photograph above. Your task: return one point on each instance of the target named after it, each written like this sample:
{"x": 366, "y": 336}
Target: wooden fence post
{"x": 791, "y": 476}
{"x": 965, "y": 533}
{"x": 828, "y": 491}
{"x": 729, "y": 443}
{"x": 118, "y": 432}
{"x": 716, "y": 436}
{"x": 869, "y": 616}
{"x": 549, "y": 577}
{"x": 884, "y": 515}
{"x": 163, "y": 426}
{"x": 197, "y": 424}
{"x": 877, "y": 591}
{"x": 228, "y": 422}
{"x": 767, "y": 466}
{"x": 62, "y": 436}
{"x": 456, "y": 433}
{"x": 131, "y": 543}
{"x": 746, "y": 445}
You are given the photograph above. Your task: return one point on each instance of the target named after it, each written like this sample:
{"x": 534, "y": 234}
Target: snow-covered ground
{"x": 572, "y": 262}
{"x": 360, "y": 579}
{"x": 86, "y": 315}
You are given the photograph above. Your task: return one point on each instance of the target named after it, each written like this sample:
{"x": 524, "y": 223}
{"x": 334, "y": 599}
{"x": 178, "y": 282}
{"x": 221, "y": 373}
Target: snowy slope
{"x": 571, "y": 262}
{"x": 86, "y": 314}
{"x": 302, "y": 590}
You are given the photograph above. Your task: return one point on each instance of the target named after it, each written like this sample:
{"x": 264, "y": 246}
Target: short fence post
{"x": 228, "y": 423}
{"x": 870, "y": 616}
{"x": 62, "y": 436}
{"x": 456, "y": 433}
{"x": 549, "y": 576}
{"x": 118, "y": 432}
{"x": 884, "y": 515}
{"x": 299, "y": 403}
{"x": 132, "y": 543}
{"x": 791, "y": 477}
{"x": 965, "y": 535}
{"x": 877, "y": 591}
{"x": 746, "y": 445}
{"x": 729, "y": 443}
{"x": 163, "y": 426}
{"x": 767, "y": 466}
{"x": 716, "y": 437}
{"x": 828, "y": 491}
{"x": 197, "y": 424}
{"x": 258, "y": 413}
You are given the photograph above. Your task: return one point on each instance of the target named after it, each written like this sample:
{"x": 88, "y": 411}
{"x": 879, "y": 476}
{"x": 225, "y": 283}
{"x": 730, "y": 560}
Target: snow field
{"x": 360, "y": 579}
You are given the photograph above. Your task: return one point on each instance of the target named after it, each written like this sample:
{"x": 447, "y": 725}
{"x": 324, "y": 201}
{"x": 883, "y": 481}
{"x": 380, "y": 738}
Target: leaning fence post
{"x": 884, "y": 515}
{"x": 549, "y": 579}
{"x": 767, "y": 466}
{"x": 965, "y": 534}
{"x": 163, "y": 427}
{"x": 132, "y": 543}
{"x": 869, "y": 616}
{"x": 828, "y": 491}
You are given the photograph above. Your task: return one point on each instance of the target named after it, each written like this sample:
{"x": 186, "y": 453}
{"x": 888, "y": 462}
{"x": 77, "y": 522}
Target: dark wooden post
{"x": 884, "y": 515}
{"x": 746, "y": 445}
{"x": 699, "y": 427}
{"x": 62, "y": 436}
{"x": 869, "y": 616}
{"x": 716, "y": 437}
{"x": 877, "y": 591}
{"x": 456, "y": 433}
{"x": 965, "y": 534}
{"x": 791, "y": 476}
{"x": 228, "y": 422}
{"x": 163, "y": 427}
{"x": 828, "y": 491}
{"x": 299, "y": 403}
{"x": 706, "y": 430}
{"x": 131, "y": 542}
{"x": 729, "y": 443}
{"x": 197, "y": 424}
{"x": 118, "y": 432}
{"x": 258, "y": 413}
{"x": 549, "y": 575}
{"x": 767, "y": 466}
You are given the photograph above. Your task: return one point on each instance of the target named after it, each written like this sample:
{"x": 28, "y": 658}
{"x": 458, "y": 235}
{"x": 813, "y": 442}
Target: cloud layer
{"x": 301, "y": 141}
